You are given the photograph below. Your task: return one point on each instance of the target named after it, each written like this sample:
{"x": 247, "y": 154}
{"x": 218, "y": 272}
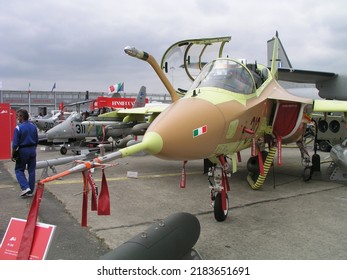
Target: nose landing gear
{"x": 219, "y": 186}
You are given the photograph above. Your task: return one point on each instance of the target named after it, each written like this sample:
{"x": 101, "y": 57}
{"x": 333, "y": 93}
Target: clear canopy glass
{"x": 226, "y": 74}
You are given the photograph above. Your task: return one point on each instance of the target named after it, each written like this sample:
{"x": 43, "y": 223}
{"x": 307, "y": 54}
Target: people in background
{"x": 24, "y": 143}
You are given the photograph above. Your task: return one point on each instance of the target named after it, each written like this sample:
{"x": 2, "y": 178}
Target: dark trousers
{"x": 27, "y": 160}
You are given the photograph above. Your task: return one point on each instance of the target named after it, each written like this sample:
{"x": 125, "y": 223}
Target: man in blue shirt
{"x": 25, "y": 139}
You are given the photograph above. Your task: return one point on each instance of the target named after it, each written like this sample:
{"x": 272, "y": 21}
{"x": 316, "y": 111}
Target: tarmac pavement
{"x": 288, "y": 219}
{"x": 70, "y": 241}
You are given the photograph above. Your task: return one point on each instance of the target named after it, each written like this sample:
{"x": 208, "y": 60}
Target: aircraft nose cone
{"x": 55, "y": 132}
{"x": 51, "y": 133}
{"x": 191, "y": 128}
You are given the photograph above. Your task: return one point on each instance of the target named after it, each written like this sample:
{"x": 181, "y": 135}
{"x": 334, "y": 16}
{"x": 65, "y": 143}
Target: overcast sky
{"x": 79, "y": 44}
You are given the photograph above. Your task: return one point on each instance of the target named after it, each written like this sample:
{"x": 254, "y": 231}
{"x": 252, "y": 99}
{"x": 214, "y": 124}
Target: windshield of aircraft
{"x": 75, "y": 117}
{"x": 226, "y": 74}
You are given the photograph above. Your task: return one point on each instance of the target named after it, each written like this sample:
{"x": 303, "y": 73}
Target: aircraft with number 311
{"x": 230, "y": 106}
{"x": 74, "y": 131}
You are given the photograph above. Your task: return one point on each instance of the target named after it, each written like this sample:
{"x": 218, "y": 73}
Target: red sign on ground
{"x": 13, "y": 236}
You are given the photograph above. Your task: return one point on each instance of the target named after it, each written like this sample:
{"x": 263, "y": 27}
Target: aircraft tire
{"x": 219, "y": 214}
{"x": 324, "y": 146}
{"x": 63, "y": 150}
{"x": 307, "y": 174}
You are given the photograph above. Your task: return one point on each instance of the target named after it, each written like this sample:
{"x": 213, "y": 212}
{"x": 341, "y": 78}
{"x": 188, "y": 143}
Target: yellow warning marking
{"x": 149, "y": 176}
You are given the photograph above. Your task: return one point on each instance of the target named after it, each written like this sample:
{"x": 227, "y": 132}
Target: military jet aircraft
{"x": 47, "y": 122}
{"x": 230, "y": 106}
{"x": 74, "y": 131}
{"x": 115, "y": 119}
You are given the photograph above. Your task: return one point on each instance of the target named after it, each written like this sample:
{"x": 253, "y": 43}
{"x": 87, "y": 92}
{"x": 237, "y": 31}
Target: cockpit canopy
{"x": 226, "y": 74}
{"x": 75, "y": 117}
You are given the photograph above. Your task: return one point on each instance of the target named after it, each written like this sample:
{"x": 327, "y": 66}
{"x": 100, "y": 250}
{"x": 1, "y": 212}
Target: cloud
{"x": 80, "y": 44}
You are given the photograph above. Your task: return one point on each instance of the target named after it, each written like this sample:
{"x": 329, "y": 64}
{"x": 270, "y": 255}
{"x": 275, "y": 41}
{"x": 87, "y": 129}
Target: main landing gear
{"x": 306, "y": 161}
{"x": 219, "y": 186}
{"x": 63, "y": 150}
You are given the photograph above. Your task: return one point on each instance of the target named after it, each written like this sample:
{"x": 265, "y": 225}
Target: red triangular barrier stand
{"x": 104, "y": 197}
{"x": 29, "y": 230}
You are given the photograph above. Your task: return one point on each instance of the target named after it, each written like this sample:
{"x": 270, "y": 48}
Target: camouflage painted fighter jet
{"x": 230, "y": 106}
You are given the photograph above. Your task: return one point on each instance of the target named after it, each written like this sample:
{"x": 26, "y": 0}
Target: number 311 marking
{"x": 80, "y": 128}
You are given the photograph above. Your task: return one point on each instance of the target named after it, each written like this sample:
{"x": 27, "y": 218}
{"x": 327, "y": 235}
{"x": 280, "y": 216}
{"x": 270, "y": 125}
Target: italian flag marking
{"x": 199, "y": 131}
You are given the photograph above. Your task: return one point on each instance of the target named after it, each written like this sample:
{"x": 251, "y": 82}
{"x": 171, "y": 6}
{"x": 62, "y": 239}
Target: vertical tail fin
{"x": 274, "y": 65}
{"x": 277, "y": 56}
{"x": 141, "y": 98}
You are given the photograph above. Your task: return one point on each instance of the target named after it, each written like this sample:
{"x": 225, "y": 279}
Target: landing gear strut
{"x": 306, "y": 162}
{"x": 219, "y": 186}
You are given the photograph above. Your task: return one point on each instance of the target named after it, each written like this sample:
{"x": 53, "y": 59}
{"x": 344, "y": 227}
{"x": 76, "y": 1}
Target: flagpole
{"x": 29, "y": 96}
{"x": 55, "y": 96}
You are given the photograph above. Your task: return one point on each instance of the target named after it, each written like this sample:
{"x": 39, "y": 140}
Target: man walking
{"x": 25, "y": 139}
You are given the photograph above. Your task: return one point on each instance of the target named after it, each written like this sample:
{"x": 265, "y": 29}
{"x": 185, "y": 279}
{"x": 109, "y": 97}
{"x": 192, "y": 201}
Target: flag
{"x": 116, "y": 88}
{"x": 29, "y": 88}
{"x": 199, "y": 131}
{"x": 54, "y": 86}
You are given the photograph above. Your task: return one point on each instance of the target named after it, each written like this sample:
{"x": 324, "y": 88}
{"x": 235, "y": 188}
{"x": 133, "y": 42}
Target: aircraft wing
{"x": 317, "y": 105}
{"x": 152, "y": 108}
{"x": 141, "y": 113}
{"x": 330, "y": 106}
{"x": 148, "y": 109}
{"x": 136, "y": 114}
{"x": 304, "y": 76}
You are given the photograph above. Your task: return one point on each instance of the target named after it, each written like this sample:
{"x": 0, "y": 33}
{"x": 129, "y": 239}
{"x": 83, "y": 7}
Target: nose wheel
{"x": 220, "y": 212}
{"x": 219, "y": 186}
